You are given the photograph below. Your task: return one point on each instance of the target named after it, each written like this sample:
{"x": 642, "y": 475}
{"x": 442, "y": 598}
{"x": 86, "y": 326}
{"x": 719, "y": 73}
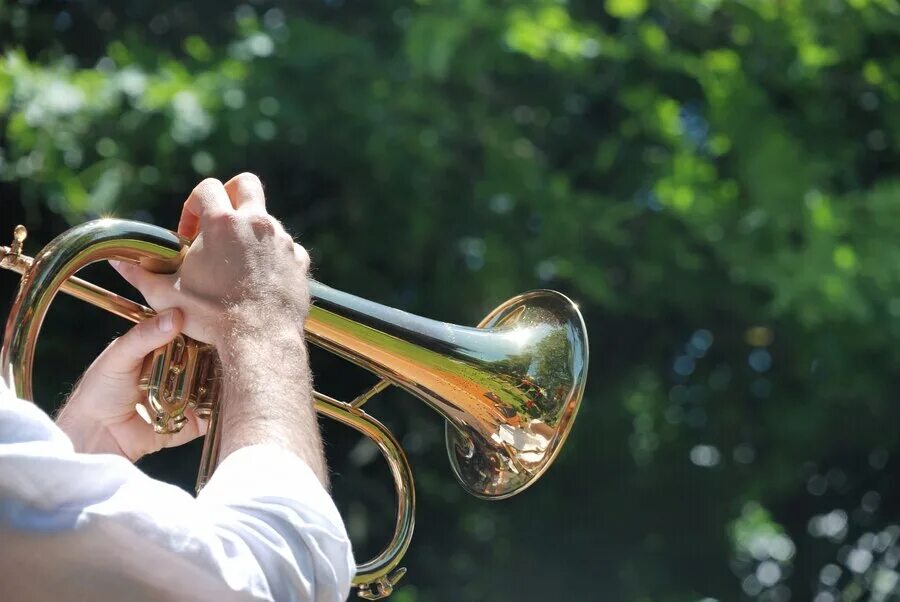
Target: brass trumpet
{"x": 509, "y": 389}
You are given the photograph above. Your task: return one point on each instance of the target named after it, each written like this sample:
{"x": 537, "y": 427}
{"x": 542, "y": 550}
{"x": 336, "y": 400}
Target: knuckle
{"x": 141, "y": 332}
{"x": 302, "y": 256}
{"x": 264, "y": 224}
{"x": 125, "y": 344}
{"x": 228, "y": 222}
{"x": 285, "y": 238}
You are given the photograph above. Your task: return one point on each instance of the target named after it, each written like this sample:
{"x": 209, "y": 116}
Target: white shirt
{"x": 93, "y": 527}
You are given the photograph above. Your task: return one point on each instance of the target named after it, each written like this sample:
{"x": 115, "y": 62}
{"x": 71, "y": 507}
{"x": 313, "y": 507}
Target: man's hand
{"x": 243, "y": 286}
{"x": 242, "y": 272}
{"x": 100, "y": 414}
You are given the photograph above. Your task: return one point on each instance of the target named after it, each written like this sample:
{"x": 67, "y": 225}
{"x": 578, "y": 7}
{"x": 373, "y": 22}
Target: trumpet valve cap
{"x": 20, "y": 233}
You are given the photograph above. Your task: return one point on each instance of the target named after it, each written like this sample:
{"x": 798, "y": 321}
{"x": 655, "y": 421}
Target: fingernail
{"x": 115, "y": 263}
{"x": 166, "y": 321}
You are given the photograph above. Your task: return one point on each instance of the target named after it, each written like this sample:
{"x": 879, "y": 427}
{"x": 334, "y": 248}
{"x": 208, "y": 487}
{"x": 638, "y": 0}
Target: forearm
{"x": 267, "y": 394}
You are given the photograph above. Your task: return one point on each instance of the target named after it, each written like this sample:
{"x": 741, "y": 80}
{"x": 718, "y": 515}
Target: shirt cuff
{"x": 269, "y": 472}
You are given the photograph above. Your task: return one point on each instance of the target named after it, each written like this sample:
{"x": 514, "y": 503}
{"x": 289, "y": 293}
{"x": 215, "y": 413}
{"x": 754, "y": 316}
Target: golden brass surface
{"x": 183, "y": 374}
{"x": 508, "y": 389}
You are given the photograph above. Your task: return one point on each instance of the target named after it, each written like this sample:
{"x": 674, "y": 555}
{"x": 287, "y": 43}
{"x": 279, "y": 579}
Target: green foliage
{"x": 716, "y": 182}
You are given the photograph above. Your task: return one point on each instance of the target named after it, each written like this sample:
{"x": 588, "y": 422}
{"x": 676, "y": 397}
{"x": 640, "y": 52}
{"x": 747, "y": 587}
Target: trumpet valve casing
{"x": 183, "y": 374}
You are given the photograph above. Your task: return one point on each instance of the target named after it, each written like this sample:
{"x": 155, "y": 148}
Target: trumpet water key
{"x": 509, "y": 388}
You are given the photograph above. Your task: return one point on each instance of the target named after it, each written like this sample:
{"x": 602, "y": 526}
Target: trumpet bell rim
{"x": 529, "y": 440}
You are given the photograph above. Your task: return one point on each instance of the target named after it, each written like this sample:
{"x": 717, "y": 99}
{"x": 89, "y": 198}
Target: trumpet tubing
{"x": 509, "y": 389}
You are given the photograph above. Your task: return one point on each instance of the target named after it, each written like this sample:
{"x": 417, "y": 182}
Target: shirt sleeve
{"x": 93, "y": 526}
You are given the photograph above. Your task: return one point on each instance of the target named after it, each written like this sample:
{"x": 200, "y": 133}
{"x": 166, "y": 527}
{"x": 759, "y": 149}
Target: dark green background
{"x": 715, "y": 182}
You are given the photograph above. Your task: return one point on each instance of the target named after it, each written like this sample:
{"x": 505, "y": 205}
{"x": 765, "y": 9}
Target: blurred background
{"x": 714, "y": 182}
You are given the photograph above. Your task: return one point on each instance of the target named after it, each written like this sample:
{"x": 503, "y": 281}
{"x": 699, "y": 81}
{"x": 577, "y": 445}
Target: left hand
{"x": 100, "y": 414}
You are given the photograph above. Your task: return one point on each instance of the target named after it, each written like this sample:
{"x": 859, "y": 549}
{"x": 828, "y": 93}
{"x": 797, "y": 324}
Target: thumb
{"x": 128, "y": 351}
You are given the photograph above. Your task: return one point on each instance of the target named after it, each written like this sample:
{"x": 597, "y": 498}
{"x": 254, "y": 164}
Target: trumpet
{"x": 509, "y": 389}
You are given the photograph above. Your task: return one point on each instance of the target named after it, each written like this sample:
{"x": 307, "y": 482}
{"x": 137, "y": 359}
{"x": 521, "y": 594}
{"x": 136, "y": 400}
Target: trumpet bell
{"x": 533, "y": 370}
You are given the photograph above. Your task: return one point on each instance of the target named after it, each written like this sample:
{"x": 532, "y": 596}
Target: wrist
{"x": 264, "y": 351}
{"x": 266, "y": 325}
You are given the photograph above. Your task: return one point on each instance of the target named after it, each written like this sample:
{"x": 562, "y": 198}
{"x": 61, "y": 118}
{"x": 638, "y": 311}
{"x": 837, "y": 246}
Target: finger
{"x": 151, "y": 285}
{"x": 206, "y": 200}
{"x": 128, "y": 351}
{"x": 246, "y": 193}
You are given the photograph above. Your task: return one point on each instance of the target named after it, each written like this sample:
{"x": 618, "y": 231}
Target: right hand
{"x": 241, "y": 273}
